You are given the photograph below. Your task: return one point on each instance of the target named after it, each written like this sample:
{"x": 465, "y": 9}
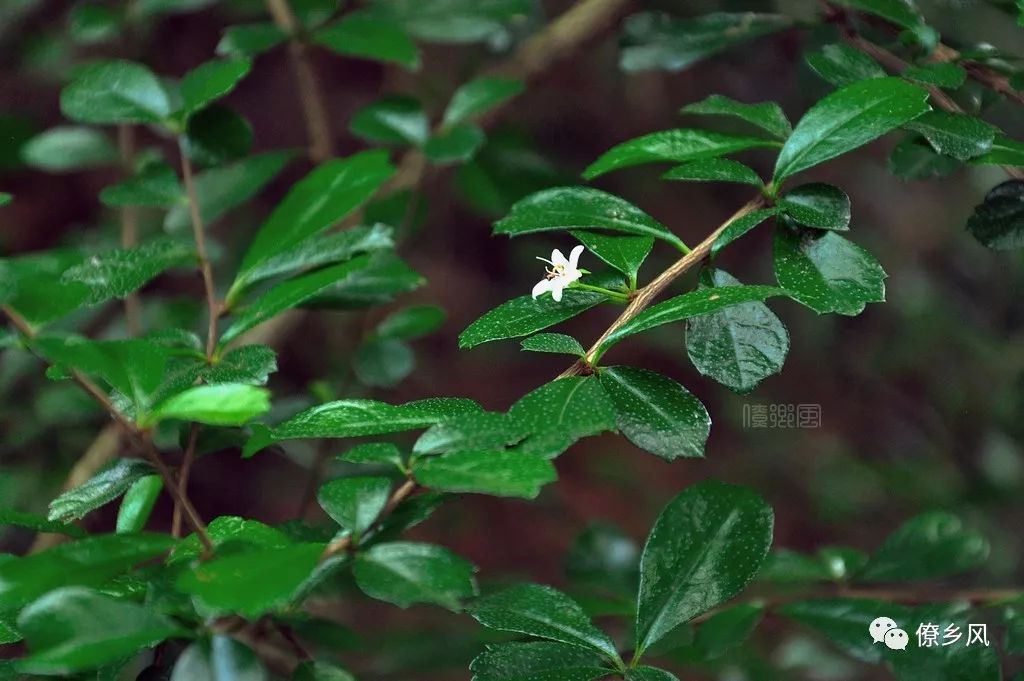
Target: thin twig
{"x": 341, "y": 545}
{"x": 129, "y": 225}
{"x": 646, "y": 295}
{"x": 137, "y": 437}
{"x": 183, "y": 476}
{"x": 199, "y": 232}
{"x": 313, "y": 108}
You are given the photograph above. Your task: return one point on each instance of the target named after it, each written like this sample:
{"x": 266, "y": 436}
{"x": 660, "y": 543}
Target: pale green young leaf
{"x": 63, "y": 637}
{"x": 404, "y": 573}
{"x": 624, "y": 253}
{"x": 321, "y": 199}
{"x": 998, "y": 221}
{"x": 68, "y": 148}
{"x": 354, "y": 503}
{"x": 817, "y": 205}
{"x": 391, "y": 120}
{"x": 537, "y": 661}
{"x": 958, "y": 135}
{"x": 738, "y": 346}
{"x": 543, "y": 612}
{"x": 218, "y": 658}
{"x": 210, "y": 81}
{"x": 155, "y": 185}
{"x": 580, "y": 207}
{"x": 249, "y": 40}
{"x": 849, "y": 118}
{"x": 120, "y": 272}
{"x": 221, "y": 189}
{"x": 826, "y": 272}
{"x": 115, "y": 92}
{"x": 673, "y": 145}
{"x": 108, "y": 484}
{"x": 654, "y": 40}
{"x": 655, "y": 413}
{"x": 478, "y": 96}
{"x": 707, "y": 544}
{"x": 714, "y": 170}
{"x": 739, "y": 227}
{"x": 767, "y": 116}
{"x": 557, "y": 343}
{"x": 137, "y": 504}
{"x": 456, "y": 144}
{"x": 496, "y": 472}
{"x": 254, "y": 582}
{"x": 524, "y": 315}
{"x": 931, "y": 546}
{"x": 223, "y": 404}
{"x": 361, "y": 34}
{"x": 841, "y": 65}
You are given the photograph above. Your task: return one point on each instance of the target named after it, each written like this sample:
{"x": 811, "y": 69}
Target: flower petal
{"x": 556, "y": 289}
{"x": 543, "y": 286}
{"x": 558, "y": 259}
{"x": 574, "y": 256}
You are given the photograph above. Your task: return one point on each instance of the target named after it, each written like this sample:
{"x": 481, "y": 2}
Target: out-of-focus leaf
{"x": 452, "y": 21}
{"x": 249, "y": 40}
{"x": 68, "y": 148}
{"x": 38, "y": 523}
{"x": 115, "y": 92}
{"x": 478, "y": 96}
{"x": 211, "y": 81}
{"x": 361, "y": 34}
{"x": 998, "y": 221}
{"x": 930, "y": 546}
{"x": 120, "y": 272}
{"x": 155, "y": 185}
{"x": 219, "y": 658}
{"x": 411, "y": 322}
{"x": 217, "y": 135}
{"x": 841, "y": 65}
{"x": 138, "y": 503}
{"x": 391, "y": 120}
{"x": 404, "y": 573}
{"x": 537, "y": 661}
{"x": 455, "y": 145}
{"x": 958, "y": 135}
{"x": 107, "y": 485}
{"x": 942, "y": 74}
{"x": 915, "y": 159}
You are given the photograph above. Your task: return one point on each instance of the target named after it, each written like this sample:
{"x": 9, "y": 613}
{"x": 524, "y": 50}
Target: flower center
{"x": 555, "y": 271}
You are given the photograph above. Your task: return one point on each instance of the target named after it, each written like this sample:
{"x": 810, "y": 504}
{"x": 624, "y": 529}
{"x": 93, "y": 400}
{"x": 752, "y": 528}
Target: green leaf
{"x": 253, "y": 582}
{"x": 85, "y": 562}
{"x": 946, "y": 661}
{"x": 5, "y": 198}
{"x": 817, "y": 205}
{"x": 223, "y": 404}
{"x": 289, "y": 294}
{"x": 38, "y": 523}
{"x": 738, "y": 346}
{"x": 603, "y": 557}
{"x": 524, "y": 315}
{"x": 654, "y": 40}
{"x": 120, "y": 272}
{"x": 1004, "y": 151}
{"x": 316, "y": 251}
{"x": 249, "y": 40}
{"x": 383, "y": 278}
{"x": 537, "y": 661}
{"x": 325, "y": 196}
{"x": 219, "y": 658}
{"x": 941, "y": 74}
{"x": 672, "y": 145}
{"x": 687, "y": 305}
{"x": 455, "y": 145}
{"x": 232, "y": 533}
{"x": 544, "y": 612}
{"x": 320, "y": 671}
{"x": 250, "y": 364}
{"x": 958, "y": 135}
{"x": 714, "y": 170}
{"x": 411, "y": 322}
{"x": 357, "y": 418}
{"x": 557, "y": 343}
{"x": 583, "y": 207}
{"x": 847, "y": 622}
{"x": 478, "y": 96}
{"x": 360, "y": 34}
{"x": 211, "y": 81}
{"x": 624, "y": 253}
{"x": 391, "y": 120}
{"x": 645, "y": 673}
{"x": 915, "y": 159}
{"x": 499, "y": 473}
{"x": 826, "y": 272}
{"x": 217, "y": 135}
{"x": 155, "y": 185}
{"x": 727, "y": 629}
{"x": 849, "y": 118}
{"x": 766, "y": 115}
{"x": 930, "y": 546}
{"x": 998, "y": 221}
{"x": 707, "y": 544}
{"x": 900, "y": 12}
{"x": 739, "y": 227}
{"x": 481, "y": 430}
{"x": 383, "y": 362}
{"x": 138, "y": 503}
{"x": 655, "y": 413}
{"x": 841, "y": 65}
{"x": 69, "y": 148}
{"x": 115, "y": 92}
{"x": 221, "y": 189}
{"x": 453, "y": 21}
{"x": 63, "y": 636}
{"x": 108, "y": 484}
{"x": 91, "y": 24}
{"x": 354, "y": 503}
{"x": 562, "y": 412}
{"x": 373, "y": 453}
{"x": 404, "y": 573}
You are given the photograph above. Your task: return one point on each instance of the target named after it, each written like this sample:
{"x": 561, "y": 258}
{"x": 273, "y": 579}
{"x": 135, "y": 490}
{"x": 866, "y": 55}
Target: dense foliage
{"x": 235, "y": 598}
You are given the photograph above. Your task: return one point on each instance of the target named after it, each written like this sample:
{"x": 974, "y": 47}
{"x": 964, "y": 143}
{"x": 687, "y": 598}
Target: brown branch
{"x": 313, "y": 108}
{"x": 183, "y": 476}
{"x": 339, "y": 546}
{"x": 137, "y": 437}
{"x": 646, "y": 295}
{"x": 129, "y": 226}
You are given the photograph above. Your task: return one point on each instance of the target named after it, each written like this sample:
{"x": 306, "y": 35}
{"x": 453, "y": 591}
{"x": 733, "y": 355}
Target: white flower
{"x": 561, "y": 273}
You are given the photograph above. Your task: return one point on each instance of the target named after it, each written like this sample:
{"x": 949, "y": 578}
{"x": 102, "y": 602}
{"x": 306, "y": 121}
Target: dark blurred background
{"x": 920, "y": 397}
